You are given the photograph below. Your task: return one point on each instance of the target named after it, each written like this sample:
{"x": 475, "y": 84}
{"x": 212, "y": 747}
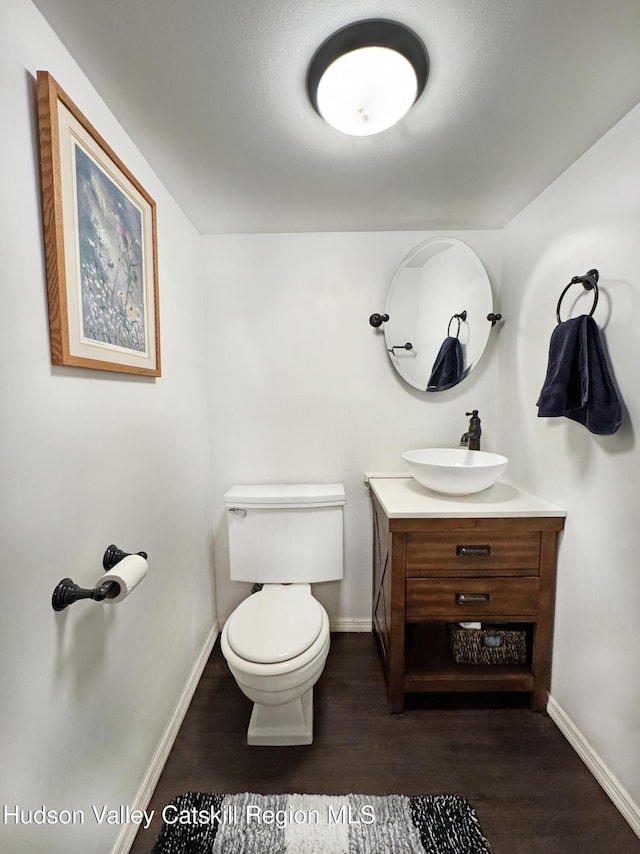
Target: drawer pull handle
{"x": 472, "y": 598}
{"x": 473, "y": 551}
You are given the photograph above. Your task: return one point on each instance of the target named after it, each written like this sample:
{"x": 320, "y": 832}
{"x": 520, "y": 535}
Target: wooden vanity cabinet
{"x": 429, "y": 572}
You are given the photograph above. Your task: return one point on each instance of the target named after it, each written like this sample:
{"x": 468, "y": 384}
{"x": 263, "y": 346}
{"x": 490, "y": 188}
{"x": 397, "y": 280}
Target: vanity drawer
{"x": 462, "y": 598}
{"x": 472, "y": 551}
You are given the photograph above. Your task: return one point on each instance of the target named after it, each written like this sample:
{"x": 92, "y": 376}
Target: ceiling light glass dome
{"x": 367, "y": 76}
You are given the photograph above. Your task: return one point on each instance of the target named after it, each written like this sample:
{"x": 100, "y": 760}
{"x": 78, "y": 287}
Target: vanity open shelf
{"x": 489, "y": 558}
{"x": 430, "y": 666}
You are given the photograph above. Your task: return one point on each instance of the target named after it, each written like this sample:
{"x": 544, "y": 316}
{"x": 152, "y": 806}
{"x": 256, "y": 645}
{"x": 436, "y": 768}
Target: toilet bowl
{"x": 276, "y": 644}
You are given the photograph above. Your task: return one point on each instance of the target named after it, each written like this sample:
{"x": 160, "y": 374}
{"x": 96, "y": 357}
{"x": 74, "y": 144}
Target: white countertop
{"x": 402, "y": 497}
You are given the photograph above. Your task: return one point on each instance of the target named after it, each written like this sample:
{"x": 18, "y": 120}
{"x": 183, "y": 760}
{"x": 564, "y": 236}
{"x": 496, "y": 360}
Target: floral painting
{"x": 110, "y": 247}
{"x": 100, "y": 246}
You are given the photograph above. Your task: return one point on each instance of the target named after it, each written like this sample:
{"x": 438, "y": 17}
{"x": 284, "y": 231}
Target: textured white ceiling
{"x": 213, "y": 93}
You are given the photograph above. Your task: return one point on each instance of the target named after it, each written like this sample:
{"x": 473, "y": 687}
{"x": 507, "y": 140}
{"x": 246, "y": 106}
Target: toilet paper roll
{"x": 128, "y": 573}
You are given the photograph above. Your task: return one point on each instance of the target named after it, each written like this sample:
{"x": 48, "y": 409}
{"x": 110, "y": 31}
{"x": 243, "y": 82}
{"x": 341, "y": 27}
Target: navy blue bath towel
{"x": 448, "y": 367}
{"x": 578, "y": 384}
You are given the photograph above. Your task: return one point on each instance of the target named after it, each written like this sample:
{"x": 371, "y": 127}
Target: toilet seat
{"x": 279, "y": 623}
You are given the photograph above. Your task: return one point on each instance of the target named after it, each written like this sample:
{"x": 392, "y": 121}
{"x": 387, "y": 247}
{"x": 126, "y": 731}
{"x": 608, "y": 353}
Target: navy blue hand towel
{"x": 578, "y": 384}
{"x": 448, "y": 367}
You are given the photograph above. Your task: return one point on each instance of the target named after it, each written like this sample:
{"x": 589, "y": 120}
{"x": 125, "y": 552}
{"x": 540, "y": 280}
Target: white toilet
{"x": 276, "y": 642}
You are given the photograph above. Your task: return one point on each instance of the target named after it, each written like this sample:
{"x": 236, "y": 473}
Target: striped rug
{"x": 198, "y": 823}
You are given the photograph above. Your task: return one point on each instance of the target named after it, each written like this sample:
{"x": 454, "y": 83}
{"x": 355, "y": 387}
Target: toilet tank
{"x": 286, "y": 533}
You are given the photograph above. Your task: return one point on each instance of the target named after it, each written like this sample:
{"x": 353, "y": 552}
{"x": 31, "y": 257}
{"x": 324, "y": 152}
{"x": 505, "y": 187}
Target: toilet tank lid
{"x": 285, "y": 495}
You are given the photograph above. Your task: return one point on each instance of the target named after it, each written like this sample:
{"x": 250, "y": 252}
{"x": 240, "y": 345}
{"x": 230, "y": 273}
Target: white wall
{"x": 86, "y": 459}
{"x": 589, "y": 217}
{"x": 302, "y": 388}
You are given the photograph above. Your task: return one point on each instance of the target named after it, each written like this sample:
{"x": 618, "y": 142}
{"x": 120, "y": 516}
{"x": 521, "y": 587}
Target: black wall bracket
{"x": 378, "y": 319}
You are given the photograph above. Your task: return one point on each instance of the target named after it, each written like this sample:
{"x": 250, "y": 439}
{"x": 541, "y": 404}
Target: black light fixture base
{"x": 376, "y": 32}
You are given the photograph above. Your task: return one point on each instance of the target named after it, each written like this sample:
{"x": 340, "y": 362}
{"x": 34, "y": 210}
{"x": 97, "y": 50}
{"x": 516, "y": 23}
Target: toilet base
{"x": 282, "y": 726}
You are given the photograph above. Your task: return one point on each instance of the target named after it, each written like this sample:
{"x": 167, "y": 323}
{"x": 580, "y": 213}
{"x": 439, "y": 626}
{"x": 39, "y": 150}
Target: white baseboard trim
{"x": 353, "y": 624}
{"x": 605, "y": 777}
{"x": 150, "y": 780}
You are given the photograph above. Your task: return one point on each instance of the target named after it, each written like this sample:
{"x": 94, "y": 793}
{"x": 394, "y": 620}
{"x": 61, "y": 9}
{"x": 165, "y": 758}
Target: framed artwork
{"x": 100, "y": 246}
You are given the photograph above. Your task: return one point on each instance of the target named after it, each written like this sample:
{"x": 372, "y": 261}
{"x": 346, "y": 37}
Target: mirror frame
{"x": 414, "y": 350}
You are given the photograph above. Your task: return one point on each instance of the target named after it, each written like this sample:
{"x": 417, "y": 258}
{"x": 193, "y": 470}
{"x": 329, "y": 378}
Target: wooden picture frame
{"x": 100, "y": 246}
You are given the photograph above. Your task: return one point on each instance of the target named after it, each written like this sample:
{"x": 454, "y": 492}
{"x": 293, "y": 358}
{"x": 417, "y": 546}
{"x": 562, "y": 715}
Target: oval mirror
{"x": 438, "y": 303}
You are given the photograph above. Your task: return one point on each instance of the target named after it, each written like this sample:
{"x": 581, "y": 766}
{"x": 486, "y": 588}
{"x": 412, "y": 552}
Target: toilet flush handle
{"x": 238, "y": 511}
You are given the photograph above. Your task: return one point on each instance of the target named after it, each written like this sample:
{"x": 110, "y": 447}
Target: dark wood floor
{"x": 532, "y": 793}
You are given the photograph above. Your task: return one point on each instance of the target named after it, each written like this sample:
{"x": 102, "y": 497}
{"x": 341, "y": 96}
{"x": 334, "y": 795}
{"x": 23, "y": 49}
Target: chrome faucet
{"x": 471, "y": 439}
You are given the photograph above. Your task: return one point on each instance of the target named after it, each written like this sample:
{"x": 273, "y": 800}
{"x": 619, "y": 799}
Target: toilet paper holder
{"x": 67, "y": 592}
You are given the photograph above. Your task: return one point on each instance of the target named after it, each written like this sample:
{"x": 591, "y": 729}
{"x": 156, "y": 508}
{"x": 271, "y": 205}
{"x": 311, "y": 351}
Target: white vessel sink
{"x": 455, "y": 471}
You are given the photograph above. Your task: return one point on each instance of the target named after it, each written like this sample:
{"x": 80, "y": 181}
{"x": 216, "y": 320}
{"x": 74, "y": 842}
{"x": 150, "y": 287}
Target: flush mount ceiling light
{"x": 366, "y": 76}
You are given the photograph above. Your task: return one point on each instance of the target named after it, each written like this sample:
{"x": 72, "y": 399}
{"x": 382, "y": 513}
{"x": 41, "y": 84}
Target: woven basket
{"x": 489, "y": 645}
